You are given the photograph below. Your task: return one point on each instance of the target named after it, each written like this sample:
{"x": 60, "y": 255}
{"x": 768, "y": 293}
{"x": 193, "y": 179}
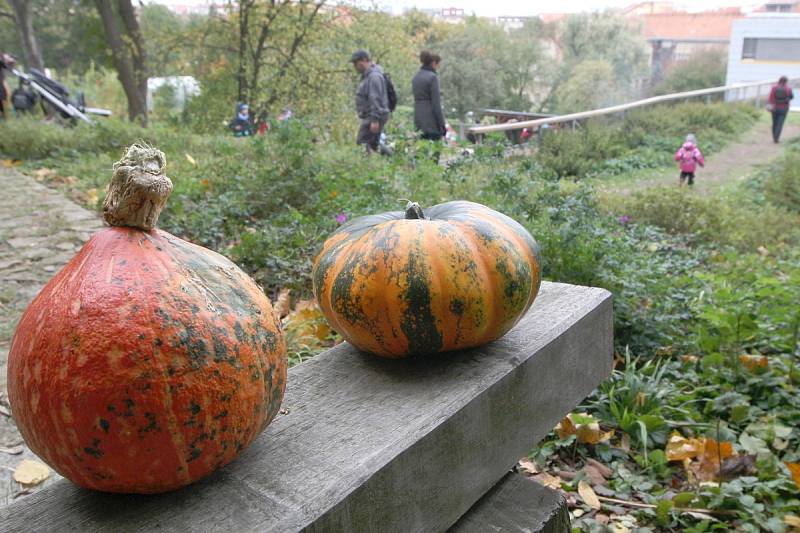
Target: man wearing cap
{"x": 372, "y": 101}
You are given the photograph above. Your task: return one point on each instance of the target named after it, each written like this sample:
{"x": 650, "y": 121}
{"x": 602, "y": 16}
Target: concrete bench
{"x": 368, "y": 444}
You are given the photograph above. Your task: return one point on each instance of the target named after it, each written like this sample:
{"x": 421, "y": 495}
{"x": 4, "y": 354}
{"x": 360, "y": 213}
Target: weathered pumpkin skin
{"x": 145, "y": 364}
{"x": 396, "y": 287}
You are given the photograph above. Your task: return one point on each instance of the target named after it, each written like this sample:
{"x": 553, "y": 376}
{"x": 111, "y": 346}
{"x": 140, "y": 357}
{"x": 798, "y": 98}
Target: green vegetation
{"x": 697, "y": 282}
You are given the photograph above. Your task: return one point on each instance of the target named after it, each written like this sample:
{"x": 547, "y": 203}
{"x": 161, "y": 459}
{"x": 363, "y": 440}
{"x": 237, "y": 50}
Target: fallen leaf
{"x": 577, "y": 513}
{"x": 689, "y": 358}
{"x": 528, "y": 467}
{"x": 283, "y": 303}
{"x": 10, "y": 163}
{"x": 792, "y": 520}
{"x": 585, "y": 428}
{"x": 91, "y": 196}
{"x": 625, "y": 442}
{"x": 794, "y": 469}
{"x": 545, "y": 479}
{"x": 601, "y": 519}
{"x": 738, "y": 465}
{"x": 707, "y": 466}
{"x": 754, "y": 363}
{"x": 307, "y": 320}
{"x": 588, "y": 495}
{"x": 762, "y": 251}
{"x": 565, "y": 428}
{"x": 190, "y": 159}
{"x": 594, "y": 475}
{"x": 679, "y": 447}
{"x": 42, "y": 173}
{"x": 604, "y": 470}
{"x": 31, "y": 472}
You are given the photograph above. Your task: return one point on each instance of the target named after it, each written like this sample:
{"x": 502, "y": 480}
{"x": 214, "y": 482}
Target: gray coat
{"x": 428, "y": 116}
{"x": 372, "y": 103}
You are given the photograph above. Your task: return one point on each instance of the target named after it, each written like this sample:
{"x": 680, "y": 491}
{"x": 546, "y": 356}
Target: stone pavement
{"x": 40, "y": 230}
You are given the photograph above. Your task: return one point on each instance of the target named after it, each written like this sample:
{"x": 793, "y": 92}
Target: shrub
{"x": 702, "y": 70}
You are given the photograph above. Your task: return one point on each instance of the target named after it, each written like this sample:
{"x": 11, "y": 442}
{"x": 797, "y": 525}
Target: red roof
{"x": 712, "y": 26}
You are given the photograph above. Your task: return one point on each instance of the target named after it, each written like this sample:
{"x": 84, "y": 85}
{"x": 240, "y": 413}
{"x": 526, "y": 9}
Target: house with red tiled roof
{"x": 674, "y": 36}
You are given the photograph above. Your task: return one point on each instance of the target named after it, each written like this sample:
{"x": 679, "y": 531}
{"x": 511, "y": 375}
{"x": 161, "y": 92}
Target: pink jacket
{"x": 689, "y": 155}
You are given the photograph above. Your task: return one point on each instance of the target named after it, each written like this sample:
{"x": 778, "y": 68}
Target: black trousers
{"x": 778, "y": 118}
{"x": 689, "y": 175}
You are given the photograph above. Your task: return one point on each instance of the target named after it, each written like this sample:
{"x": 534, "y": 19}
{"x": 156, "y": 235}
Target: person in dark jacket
{"x": 242, "y": 123}
{"x": 372, "y": 101}
{"x": 428, "y": 116}
{"x": 778, "y": 105}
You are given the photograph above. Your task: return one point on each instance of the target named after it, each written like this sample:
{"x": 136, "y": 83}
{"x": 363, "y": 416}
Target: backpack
{"x": 687, "y": 156}
{"x": 391, "y": 93}
{"x": 781, "y": 94}
{"x": 20, "y": 99}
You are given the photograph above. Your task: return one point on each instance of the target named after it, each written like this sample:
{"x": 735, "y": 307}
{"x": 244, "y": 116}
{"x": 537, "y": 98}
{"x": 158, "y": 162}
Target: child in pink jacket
{"x": 689, "y": 156}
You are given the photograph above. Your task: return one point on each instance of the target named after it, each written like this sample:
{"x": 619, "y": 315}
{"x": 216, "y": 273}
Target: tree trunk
{"x": 128, "y": 55}
{"x": 24, "y": 25}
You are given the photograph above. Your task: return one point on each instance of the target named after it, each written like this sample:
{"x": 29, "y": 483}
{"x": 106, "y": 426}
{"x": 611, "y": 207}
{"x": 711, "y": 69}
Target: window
{"x": 771, "y": 49}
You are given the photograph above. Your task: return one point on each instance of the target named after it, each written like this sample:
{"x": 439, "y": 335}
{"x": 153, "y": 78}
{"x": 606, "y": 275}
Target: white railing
{"x": 737, "y": 91}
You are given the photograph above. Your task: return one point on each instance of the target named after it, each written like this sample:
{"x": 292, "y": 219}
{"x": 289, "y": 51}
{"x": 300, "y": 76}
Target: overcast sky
{"x": 493, "y": 8}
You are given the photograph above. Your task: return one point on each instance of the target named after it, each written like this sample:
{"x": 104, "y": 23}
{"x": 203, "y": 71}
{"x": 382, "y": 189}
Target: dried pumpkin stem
{"x": 414, "y": 211}
{"x": 138, "y": 190}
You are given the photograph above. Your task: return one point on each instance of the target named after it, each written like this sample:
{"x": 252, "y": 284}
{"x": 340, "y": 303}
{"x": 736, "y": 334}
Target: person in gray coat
{"x": 428, "y": 117}
{"x": 372, "y": 101}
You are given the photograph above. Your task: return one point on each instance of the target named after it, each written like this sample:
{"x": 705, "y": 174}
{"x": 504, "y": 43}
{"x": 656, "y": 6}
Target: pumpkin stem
{"x": 414, "y": 211}
{"x": 139, "y": 189}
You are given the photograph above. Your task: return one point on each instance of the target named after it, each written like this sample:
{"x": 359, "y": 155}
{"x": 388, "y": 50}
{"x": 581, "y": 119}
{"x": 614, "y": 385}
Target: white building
{"x": 765, "y": 46}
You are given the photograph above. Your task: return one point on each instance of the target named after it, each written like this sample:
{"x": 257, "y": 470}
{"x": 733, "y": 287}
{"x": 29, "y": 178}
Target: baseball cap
{"x": 358, "y": 55}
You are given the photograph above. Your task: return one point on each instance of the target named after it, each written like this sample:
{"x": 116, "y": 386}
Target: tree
{"x": 271, "y": 35}
{"x": 605, "y": 37}
{"x": 703, "y": 69}
{"x": 27, "y": 37}
{"x": 127, "y": 51}
{"x": 589, "y": 86}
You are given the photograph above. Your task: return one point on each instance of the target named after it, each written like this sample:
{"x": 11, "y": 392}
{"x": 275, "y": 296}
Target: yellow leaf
{"x": 528, "y": 467}
{"x": 10, "y": 163}
{"x": 551, "y": 482}
{"x": 565, "y": 428}
{"x": 792, "y": 521}
{"x": 689, "y": 358}
{"x": 308, "y": 321}
{"x": 190, "y": 159}
{"x": 91, "y": 196}
{"x": 794, "y": 468}
{"x": 31, "y": 472}
{"x": 680, "y": 448}
{"x": 754, "y": 363}
{"x": 588, "y": 495}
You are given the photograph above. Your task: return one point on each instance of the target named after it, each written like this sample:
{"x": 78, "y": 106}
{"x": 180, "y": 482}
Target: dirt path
{"x": 40, "y": 230}
{"x": 734, "y": 163}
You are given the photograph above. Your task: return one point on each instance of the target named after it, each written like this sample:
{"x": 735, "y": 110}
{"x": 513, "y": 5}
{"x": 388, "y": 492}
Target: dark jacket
{"x": 428, "y": 116}
{"x": 372, "y": 103}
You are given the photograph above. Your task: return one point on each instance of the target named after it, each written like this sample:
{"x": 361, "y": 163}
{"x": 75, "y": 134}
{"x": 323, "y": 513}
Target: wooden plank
{"x": 613, "y": 109}
{"x": 516, "y": 505}
{"x": 377, "y": 445}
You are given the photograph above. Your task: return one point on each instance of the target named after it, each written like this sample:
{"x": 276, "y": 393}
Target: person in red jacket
{"x": 689, "y": 156}
{"x": 778, "y": 105}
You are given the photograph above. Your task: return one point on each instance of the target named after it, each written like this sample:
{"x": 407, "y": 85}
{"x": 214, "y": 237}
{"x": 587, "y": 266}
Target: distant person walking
{"x": 372, "y": 101}
{"x": 778, "y": 105}
{"x": 689, "y": 156}
{"x": 428, "y": 117}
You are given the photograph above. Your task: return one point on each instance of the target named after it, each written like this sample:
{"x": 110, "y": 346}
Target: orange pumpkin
{"x": 413, "y": 283}
{"x": 147, "y": 362}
